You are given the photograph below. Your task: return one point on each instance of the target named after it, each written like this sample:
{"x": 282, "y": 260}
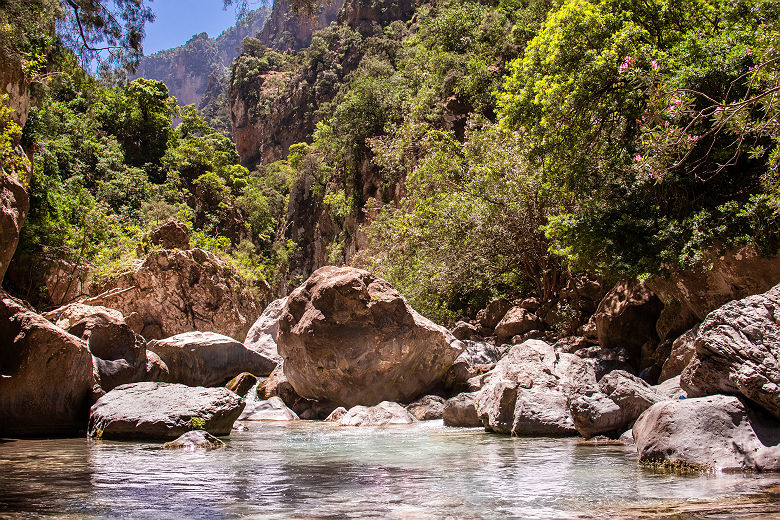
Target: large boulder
{"x": 173, "y": 292}
{"x": 14, "y": 205}
{"x": 461, "y": 411}
{"x": 163, "y": 411}
{"x": 47, "y": 375}
{"x": 493, "y": 313}
{"x": 273, "y": 409}
{"x": 738, "y": 352}
{"x": 262, "y": 336}
{"x": 383, "y": 414}
{"x": 529, "y": 390}
{"x": 118, "y": 353}
{"x": 207, "y": 358}
{"x": 680, "y": 355}
{"x": 427, "y": 408}
{"x": 626, "y": 318}
{"x": 348, "y": 337}
{"x": 277, "y": 385}
{"x": 171, "y": 234}
{"x": 716, "y": 432}
{"x": 242, "y": 383}
{"x": 476, "y": 359}
{"x": 518, "y": 321}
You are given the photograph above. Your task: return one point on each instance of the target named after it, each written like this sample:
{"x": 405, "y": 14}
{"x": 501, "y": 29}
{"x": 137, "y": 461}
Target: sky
{"x": 178, "y": 20}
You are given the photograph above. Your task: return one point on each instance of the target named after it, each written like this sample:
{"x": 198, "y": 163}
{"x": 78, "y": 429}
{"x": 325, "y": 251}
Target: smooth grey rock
{"x": 195, "y": 440}
{"x": 262, "y": 335}
{"x": 427, "y": 408}
{"x": 273, "y": 409}
{"x": 738, "y": 352}
{"x": 717, "y": 432}
{"x": 461, "y": 411}
{"x": 163, "y": 411}
{"x": 384, "y": 414}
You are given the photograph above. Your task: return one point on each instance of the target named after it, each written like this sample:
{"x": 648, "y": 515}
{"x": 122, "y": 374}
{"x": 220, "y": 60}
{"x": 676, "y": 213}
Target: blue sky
{"x": 178, "y": 20}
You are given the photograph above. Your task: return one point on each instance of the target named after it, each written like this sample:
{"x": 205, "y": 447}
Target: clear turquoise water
{"x": 317, "y": 470}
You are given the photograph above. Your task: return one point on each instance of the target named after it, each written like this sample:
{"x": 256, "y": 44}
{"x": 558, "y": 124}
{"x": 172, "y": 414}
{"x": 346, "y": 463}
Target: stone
{"x": 466, "y": 331}
{"x": 708, "y": 433}
{"x": 14, "y": 206}
{"x": 242, "y": 383}
{"x": 476, "y": 359}
{"x": 671, "y": 389}
{"x": 171, "y": 234}
{"x": 46, "y": 375}
{"x": 626, "y": 318}
{"x": 163, "y": 411}
{"x": 119, "y": 355}
{"x": 337, "y": 414}
{"x": 273, "y": 409}
{"x": 516, "y": 321}
{"x": 195, "y": 440}
{"x": 348, "y": 337}
{"x": 261, "y": 338}
{"x": 682, "y": 352}
{"x": 529, "y": 390}
{"x": 605, "y": 360}
{"x": 383, "y": 414}
{"x": 738, "y": 352}
{"x": 207, "y": 358}
{"x": 461, "y": 411}
{"x": 428, "y": 408}
{"x": 277, "y": 385}
{"x": 172, "y": 292}
{"x": 491, "y": 315}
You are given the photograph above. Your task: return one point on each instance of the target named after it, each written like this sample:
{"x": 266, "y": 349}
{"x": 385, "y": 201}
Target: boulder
{"x": 626, "y": 318}
{"x": 428, "y": 408}
{"x": 14, "y": 205}
{"x": 466, "y": 331}
{"x": 348, "y": 337}
{"x": 273, "y": 409}
{"x": 242, "y": 383}
{"x": 383, "y": 414}
{"x": 710, "y": 433}
{"x": 737, "y": 351}
{"x": 195, "y": 440}
{"x": 336, "y": 415}
{"x": 277, "y": 385}
{"x": 163, "y": 411}
{"x": 461, "y": 411}
{"x": 262, "y": 336}
{"x": 605, "y": 360}
{"x": 171, "y": 234}
{"x": 476, "y": 359}
{"x": 516, "y": 321}
{"x": 174, "y": 291}
{"x": 46, "y": 374}
{"x": 493, "y": 313}
{"x": 680, "y": 355}
{"x": 671, "y": 389}
{"x": 207, "y": 358}
{"x": 119, "y": 355}
{"x": 528, "y": 392}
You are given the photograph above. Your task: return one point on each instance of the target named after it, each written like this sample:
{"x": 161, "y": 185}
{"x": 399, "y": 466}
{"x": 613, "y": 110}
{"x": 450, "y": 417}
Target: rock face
{"x": 717, "y": 432}
{"x": 680, "y": 356}
{"x": 428, "y": 408}
{"x": 171, "y": 234}
{"x": 738, "y": 352}
{"x": 348, "y": 337}
{"x": 173, "y": 292}
{"x": 286, "y": 30}
{"x": 528, "y": 392}
{"x": 14, "y": 205}
{"x": 195, "y": 440}
{"x": 273, "y": 409}
{"x": 626, "y": 318}
{"x": 383, "y": 414}
{"x": 461, "y": 411}
{"x": 262, "y": 336}
{"x": 47, "y": 376}
{"x": 163, "y": 411}
{"x": 119, "y": 355}
{"x": 207, "y": 358}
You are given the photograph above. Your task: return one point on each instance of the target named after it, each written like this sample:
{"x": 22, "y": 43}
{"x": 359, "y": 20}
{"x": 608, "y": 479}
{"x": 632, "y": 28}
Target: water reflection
{"x": 317, "y": 470}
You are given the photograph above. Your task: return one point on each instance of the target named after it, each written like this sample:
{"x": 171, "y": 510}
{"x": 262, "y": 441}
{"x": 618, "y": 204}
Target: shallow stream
{"x": 318, "y": 470}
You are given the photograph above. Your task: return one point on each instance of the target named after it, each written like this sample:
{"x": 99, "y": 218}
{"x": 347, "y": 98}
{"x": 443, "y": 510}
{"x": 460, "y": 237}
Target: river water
{"x": 319, "y": 470}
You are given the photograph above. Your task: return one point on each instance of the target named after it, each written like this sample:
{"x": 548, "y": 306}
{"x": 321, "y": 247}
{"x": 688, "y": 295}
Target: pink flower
{"x": 654, "y": 65}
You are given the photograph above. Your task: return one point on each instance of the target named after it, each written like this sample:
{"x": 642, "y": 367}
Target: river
{"x": 319, "y": 470}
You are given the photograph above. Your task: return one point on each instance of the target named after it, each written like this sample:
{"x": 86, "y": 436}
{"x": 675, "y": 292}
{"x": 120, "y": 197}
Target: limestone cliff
{"x": 286, "y": 29}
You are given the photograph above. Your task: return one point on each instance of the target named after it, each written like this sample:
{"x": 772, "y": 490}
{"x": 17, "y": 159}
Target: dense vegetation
{"x": 490, "y": 147}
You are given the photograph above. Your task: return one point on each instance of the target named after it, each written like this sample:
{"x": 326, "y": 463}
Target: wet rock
{"x": 516, "y": 321}
{"x": 626, "y": 318}
{"x": 461, "y": 411}
{"x": 428, "y": 408}
{"x": 738, "y": 352}
{"x": 46, "y": 374}
{"x": 383, "y": 414}
{"x": 716, "y": 432}
{"x": 349, "y": 338}
{"x": 262, "y": 336}
{"x": 491, "y": 315}
{"x": 337, "y": 414}
{"x": 163, "y": 411}
{"x": 528, "y": 392}
{"x": 273, "y": 409}
{"x": 174, "y": 291}
{"x": 242, "y": 383}
{"x": 207, "y": 358}
{"x": 195, "y": 440}
{"x": 680, "y": 356}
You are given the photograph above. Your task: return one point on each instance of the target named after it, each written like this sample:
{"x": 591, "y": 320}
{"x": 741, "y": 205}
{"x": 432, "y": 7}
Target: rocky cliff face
{"x": 286, "y": 29}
